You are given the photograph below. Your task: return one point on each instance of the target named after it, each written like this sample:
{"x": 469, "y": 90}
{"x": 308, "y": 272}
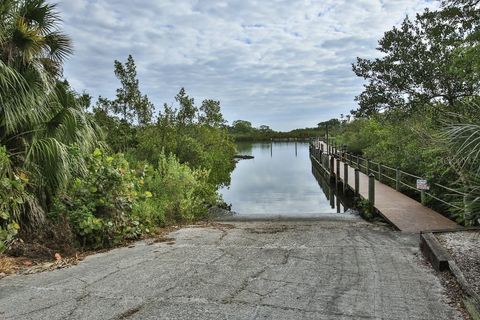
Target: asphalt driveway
{"x": 253, "y": 270}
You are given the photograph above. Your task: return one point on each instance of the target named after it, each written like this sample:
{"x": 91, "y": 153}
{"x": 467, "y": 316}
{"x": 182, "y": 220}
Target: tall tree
{"x": 42, "y": 128}
{"x": 210, "y": 114}
{"x": 31, "y": 41}
{"x": 129, "y": 103}
{"x": 416, "y": 66}
{"x": 187, "y": 110}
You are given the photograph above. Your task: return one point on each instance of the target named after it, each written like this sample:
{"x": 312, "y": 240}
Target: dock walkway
{"x": 403, "y": 212}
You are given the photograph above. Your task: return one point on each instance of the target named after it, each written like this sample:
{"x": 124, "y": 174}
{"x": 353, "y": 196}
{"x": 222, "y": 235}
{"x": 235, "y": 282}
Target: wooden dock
{"x": 401, "y": 211}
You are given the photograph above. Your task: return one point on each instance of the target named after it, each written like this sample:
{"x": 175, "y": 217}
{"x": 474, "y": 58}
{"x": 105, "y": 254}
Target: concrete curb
{"x": 434, "y": 252}
{"x": 441, "y": 260}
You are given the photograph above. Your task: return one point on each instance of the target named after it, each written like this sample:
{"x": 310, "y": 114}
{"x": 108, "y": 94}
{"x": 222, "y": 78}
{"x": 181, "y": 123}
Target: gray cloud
{"x": 283, "y": 63}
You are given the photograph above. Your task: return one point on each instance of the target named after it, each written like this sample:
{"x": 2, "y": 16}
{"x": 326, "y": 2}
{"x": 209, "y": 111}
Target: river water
{"x": 280, "y": 181}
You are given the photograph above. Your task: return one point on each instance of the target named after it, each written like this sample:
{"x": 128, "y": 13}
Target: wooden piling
{"x": 371, "y": 190}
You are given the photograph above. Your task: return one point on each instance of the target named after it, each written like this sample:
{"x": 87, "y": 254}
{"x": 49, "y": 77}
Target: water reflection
{"x": 280, "y": 180}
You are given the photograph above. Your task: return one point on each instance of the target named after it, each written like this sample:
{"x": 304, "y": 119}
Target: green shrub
{"x": 179, "y": 192}
{"x": 13, "y": 197}
{"x": 100, "y": 206}
{"x": 11, "y": 203}
{"x": 113, "y": 203}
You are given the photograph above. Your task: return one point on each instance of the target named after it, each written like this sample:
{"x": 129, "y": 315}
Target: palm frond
{"x": 464, "y": 140}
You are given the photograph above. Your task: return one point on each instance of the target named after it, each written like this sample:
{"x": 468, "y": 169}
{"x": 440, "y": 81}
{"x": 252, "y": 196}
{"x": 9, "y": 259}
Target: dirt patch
{"x": 271, "y": 230}
{"x": 455, "y": 294}
{"x": 23, "y": 265}
{"x": 215, "y": 225}
{"x": 34, "y": 257}
{"x": 464, "y": 247}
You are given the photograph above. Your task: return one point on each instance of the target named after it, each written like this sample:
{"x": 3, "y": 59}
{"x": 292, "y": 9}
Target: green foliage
{"x": 44, "y": 129}
{"x": 53, "y": 157}
{"x": 366, "y": 210}
{"x": 129, "y": 103}
{"x": 113, "y": 202}
{"x": 13, "y": 199}
{"x": 462, "y": 138}
{"x": 11, "y": 205}
{"x": 427, "y": 81}
{"x": 30, "y": 40}
{"x": 179, "y": 192}
{"x": 242, "y": 130}
{"x": 242, "y": 126}
{"x": 422, "y": 62}
{"x": 119, "y": 133}
{"x": 102, "y": 207}
{"x": 194, "y": 135}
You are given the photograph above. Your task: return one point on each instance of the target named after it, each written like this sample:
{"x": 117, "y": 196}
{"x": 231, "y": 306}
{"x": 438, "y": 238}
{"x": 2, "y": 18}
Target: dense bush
{"x": 179, "y": 193}
{"x": 194, "y": 135}
{"x": 15, "y": 200}
{"x": 114, "y": 202}
{"x": 99, "y": 206}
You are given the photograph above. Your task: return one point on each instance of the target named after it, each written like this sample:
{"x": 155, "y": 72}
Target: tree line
{"x": 420, "y": 107}
{"x": 74, "y": 173}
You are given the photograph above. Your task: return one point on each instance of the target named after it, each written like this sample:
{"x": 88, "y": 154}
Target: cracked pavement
{"x": 258, "y": 270}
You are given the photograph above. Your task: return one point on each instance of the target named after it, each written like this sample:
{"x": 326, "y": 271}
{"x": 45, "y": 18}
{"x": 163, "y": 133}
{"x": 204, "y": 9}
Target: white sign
{"x": 422, "y": 184}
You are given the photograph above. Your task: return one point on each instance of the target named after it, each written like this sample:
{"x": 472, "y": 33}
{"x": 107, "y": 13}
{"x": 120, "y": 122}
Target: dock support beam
{"x": 397, "y": 179}
{"x": 337, "y": 173}
{"x": 345, "y": 177}
{"x": 357, "y": 182}
{"x": 332, "y": 167}
{"x": 371, "y": 190}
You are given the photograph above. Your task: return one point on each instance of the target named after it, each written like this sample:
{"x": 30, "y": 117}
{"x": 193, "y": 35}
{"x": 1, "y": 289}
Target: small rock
{"x": 27, "y": 263}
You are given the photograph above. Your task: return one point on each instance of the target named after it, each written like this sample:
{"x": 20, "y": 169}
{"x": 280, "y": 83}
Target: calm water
{"x": 280, "y": 181}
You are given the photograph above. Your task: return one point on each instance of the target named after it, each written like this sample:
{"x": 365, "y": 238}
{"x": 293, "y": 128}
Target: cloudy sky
{"x": 284, "y": 63}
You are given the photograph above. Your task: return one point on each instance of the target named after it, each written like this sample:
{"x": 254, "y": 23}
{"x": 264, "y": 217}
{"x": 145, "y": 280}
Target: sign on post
{"x": 422, "y": 184}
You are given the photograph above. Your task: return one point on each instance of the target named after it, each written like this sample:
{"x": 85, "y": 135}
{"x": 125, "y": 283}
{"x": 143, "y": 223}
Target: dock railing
{"x": 437, "y": 195}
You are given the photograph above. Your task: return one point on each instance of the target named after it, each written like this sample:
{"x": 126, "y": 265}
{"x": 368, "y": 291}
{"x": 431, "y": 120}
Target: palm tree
{"x": 463, "y": 140}
{"x": 43, "y": 128}
{"x": 31, "y": 40}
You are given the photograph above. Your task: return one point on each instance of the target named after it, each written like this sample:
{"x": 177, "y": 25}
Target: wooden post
{"x": 345, "y": 177}
{"x": 379, "y": 172}
{"x": 368, "y": 167}
{"x": 337, "y": 173}
{"x": 357, "y": 182}
{"x": 358, "y": 162}
{"x": 397, "y": 179}
{"x": 423, "y": 198}
{"x": 332, "y": 197}
{"x": 332, "y": 166}
{"x": 371, "y": 190}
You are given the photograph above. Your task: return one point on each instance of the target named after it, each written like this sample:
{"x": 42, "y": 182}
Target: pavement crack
{"x": 129, "y": 313}
{"x": 286, "y": 257}
{"x": 244, "y": 285}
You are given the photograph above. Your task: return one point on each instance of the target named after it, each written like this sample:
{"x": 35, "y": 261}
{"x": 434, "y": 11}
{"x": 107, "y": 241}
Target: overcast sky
{"x": 283, "y": 63}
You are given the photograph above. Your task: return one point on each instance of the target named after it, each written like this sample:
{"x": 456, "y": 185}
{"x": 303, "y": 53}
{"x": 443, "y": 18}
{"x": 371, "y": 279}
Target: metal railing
{"x": 394, "y": 177}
